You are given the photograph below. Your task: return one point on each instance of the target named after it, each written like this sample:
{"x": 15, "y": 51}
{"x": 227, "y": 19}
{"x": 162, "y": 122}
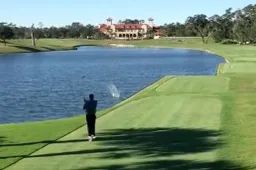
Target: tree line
{"x": 75, "y": 30}
{"x": 237, "y": 26}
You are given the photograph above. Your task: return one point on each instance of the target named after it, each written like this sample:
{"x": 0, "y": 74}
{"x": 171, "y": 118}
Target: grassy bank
{"x": 178, "y": 123}
{"x": 43, "y": 45}
{"x": 24, "y": 45}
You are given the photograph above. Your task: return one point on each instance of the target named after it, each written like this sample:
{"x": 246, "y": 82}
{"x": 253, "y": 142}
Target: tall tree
{"x": 245, "y": 24}
{"x": 6, "y": 32}
{"x": 200, "y": 24}
{"x": 33, "y": 35}
{"x": 132, "y": 21}
{"x": 224, "y": 25}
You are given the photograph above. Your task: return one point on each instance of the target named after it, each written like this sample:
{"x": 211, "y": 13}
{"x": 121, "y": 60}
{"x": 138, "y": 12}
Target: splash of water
{"x": 114, "y": 91}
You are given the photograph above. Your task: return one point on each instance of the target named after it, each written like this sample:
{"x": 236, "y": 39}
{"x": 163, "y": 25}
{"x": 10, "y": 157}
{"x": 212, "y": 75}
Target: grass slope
{"x": 22, "y": 139}
{"x": 171, "y": 128}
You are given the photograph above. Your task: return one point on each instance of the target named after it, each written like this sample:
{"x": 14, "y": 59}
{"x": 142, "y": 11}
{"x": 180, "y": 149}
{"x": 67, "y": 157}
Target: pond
{"x": 50, "y": 85}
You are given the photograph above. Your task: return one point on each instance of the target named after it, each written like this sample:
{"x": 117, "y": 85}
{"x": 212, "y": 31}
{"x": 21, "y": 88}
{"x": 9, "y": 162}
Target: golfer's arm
{"x": 85, "y": 106}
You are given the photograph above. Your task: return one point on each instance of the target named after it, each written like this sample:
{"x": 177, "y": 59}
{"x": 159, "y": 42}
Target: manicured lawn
{"x": 22, "y": 139}
{"x": 158, "y": 127}
{"x": 181, "y": 130}
{"x": 194, "y": 84}
{"x": 180, "y": 123}
{"x": 239, "y": 67}
{"x": 238, "y": 120}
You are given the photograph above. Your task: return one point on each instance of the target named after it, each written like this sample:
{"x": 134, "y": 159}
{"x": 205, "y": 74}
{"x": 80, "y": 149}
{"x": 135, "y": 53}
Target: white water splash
{"x": 114, "y": 91}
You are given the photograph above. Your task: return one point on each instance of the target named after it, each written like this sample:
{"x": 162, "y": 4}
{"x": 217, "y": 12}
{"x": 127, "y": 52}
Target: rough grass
{"x": 238, "y": 120}
{"x": 170, "y": 125}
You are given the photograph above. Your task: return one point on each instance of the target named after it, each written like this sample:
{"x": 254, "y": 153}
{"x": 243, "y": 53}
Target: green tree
{"x": 223, "y": 26}
{"x": 6, "y": 32}
{"x": 63, "y": 32}
{"x": 201, "y": 25}
{"x": 19, "y": 32}
{"x": 245, "y": 23}
{"x": 132, "y": 21}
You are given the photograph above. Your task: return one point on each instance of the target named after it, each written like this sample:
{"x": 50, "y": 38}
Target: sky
{"x": 64, "y": 12}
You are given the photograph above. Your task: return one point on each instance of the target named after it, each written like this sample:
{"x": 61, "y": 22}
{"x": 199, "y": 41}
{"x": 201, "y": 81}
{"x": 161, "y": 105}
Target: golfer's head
{"x": 91, "y": 97}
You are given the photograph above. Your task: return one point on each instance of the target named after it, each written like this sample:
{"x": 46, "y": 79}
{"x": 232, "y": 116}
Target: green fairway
{"x": 239, "y": 67}
{"x": 194, "y": 84}
{"x": 180, "y": 123}
{"x": 12, "y": 134}
{"x": 151, "y": 129}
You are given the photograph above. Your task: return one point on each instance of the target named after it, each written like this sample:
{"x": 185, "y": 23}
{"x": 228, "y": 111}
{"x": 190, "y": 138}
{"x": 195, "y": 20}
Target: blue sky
{"x": 63, "y": 12}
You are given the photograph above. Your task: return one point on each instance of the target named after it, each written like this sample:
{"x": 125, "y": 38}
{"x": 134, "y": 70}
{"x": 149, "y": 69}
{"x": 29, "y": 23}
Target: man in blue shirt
{"x": 90, "y": 109}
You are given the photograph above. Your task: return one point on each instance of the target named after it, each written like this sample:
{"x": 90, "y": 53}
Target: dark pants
{"x": 91, "y": 119}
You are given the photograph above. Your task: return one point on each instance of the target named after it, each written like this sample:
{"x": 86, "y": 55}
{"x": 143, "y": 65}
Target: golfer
{"x": 90, "y": 109}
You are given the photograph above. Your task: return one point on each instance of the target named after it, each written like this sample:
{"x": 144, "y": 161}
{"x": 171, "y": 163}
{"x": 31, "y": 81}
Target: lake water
{"x": 40, "y": 86}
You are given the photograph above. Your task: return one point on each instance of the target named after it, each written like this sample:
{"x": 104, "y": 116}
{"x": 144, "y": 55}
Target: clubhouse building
{"x": 130, "y": 31}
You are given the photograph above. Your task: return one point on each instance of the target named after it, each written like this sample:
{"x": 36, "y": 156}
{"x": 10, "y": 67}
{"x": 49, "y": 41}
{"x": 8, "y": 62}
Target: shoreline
{"x": 103, "y": 112}
{"x": 115, "y": 46}
{"x": 132, "y": 95}
{"x": 42, "y": 51}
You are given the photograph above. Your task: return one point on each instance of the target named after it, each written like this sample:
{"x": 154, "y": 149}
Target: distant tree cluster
{"x": 75, "y": 30}
{"x": 232, "y": 27}
{"x": 131, "y": 21}
{"x": 237, "y": 26}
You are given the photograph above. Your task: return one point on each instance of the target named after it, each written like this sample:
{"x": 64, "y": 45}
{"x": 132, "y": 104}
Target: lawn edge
{"x": 131, "y": 98}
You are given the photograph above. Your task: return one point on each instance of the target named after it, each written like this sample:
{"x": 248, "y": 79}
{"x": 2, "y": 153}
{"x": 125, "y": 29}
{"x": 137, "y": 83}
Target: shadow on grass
{"x": 27, "y": 48}
{"x": 48, "y": 48}
{"x": 1, "y": 41}
{"x": 148, "y": 142}
{"x": 172, "y": 165}
{"x": 58, "y": 48}
{"x": 80, "y": 152}
{"x": 42, "y": 142}
{"x": 160, "y": 141}
{"x": 2, "y": 139}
